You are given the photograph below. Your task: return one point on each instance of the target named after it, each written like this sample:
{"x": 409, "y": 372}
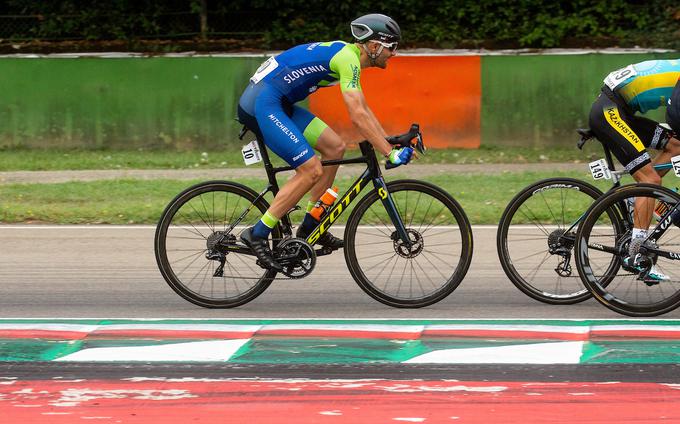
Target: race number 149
{"x": 600, "y": 170}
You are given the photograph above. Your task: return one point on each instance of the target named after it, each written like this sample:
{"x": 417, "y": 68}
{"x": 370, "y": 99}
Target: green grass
{"x": 141, "y": 202}
{"x": 47, "y": 160}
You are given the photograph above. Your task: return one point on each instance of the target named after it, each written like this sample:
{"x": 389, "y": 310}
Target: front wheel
{"x": 193, "y": 238}
{"x": 409, "y": 276}
{"x": 630, "y": 290}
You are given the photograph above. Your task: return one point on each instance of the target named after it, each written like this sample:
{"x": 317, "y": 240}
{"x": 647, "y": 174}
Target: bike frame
{"x": 372, "y": 173}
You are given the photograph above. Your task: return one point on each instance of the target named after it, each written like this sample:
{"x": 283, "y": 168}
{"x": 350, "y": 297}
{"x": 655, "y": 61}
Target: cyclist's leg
{"x": 328, "y": 142}
{"x": 284, "y": 138}
{"x": 655, "y": 137}
{"x": 619, "y": 130}
{"x": 322, "y": 138}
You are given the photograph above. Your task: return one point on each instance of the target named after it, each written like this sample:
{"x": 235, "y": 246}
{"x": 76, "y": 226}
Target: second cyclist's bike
{"x": 537, "y": 231}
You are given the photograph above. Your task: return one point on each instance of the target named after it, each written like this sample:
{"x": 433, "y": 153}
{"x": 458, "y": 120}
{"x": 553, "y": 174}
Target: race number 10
{"x": 251, "y": 153}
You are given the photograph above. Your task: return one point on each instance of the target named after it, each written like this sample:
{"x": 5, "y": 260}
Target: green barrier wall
{"x": 190, "y": 102}
{"x": 539, "y": 100}
{"x": 122, "y": 102}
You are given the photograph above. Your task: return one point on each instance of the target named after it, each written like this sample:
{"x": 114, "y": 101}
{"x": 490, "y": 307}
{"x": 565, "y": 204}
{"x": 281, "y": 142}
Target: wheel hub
{"x": 559, "y": 242}
{"x": 404, "y": 250}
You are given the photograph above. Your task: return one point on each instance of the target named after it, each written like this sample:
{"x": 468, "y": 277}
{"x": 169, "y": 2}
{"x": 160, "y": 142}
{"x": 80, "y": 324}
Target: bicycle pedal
{"x": 649, "y": 282}
{"x": 260, "y": 264}
{"x": 324, "y": 251}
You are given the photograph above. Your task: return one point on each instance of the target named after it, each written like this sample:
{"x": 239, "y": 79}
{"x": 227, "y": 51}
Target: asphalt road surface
{"x": 110, "y": 272}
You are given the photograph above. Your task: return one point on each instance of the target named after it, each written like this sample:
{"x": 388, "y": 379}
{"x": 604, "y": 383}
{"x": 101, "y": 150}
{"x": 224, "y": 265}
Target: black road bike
{"x": 408, "y": 243}
{"x": 537, "y": 233}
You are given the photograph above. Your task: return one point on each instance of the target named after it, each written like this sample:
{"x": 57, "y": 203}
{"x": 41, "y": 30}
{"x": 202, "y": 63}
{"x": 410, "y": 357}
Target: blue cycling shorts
{"x": 288, "y": 130}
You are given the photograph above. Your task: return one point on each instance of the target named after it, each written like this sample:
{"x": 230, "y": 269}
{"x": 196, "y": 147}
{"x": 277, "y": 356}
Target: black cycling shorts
{"x": 627, "y": 135}
{"x": 673, "y": 110}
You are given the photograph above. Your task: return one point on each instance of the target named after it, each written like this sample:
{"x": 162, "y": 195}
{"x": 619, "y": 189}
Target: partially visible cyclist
{"x": 640, "y": 87}
{"x": 267, "y": 107}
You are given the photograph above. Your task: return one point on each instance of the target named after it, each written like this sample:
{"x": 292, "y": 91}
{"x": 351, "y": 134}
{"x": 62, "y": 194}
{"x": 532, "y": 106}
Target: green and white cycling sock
{"x": 264, "y": 226}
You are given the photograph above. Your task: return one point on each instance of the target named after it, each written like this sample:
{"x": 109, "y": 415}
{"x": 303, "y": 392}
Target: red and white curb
{"x": 65, "y": 331}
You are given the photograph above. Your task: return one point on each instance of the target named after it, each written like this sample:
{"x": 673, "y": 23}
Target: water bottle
{"x": 324, "y": 203}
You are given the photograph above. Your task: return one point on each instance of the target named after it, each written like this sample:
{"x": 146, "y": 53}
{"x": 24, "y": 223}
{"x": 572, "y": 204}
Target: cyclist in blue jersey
{"x": 267, "y": 107}
{"x": 640, "y": 87}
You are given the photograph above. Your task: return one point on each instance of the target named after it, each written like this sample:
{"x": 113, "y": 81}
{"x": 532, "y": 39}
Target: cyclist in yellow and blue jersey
{"x": 267, "y": 107}
{"x": 640, "y": 87}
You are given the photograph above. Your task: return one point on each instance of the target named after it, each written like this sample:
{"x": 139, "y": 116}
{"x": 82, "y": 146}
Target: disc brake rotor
{"x": 405, "y": 251}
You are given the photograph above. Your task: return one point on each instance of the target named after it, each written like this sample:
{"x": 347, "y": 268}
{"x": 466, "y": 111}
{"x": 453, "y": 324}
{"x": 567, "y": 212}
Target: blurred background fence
{"x": 281, "y": 23}
{"x": 163, "y": 25}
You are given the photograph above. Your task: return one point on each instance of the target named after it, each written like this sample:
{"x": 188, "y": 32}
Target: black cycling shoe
{"x": 326, "y": 240}
{"x": 260, "y": 247}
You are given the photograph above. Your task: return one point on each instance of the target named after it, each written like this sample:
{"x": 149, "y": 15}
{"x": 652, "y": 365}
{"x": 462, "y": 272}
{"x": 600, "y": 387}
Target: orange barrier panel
{"x": 441, "y": 93}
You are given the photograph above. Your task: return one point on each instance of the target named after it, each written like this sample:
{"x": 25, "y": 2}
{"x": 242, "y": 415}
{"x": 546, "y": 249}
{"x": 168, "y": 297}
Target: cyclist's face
{"x": 385, "y": 55}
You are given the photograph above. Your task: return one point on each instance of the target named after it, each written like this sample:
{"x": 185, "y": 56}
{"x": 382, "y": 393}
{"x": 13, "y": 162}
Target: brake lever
{"x": 420, "y": 146}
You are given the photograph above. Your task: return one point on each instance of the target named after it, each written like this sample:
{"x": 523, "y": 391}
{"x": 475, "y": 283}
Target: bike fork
{"x": 391, "y": 209}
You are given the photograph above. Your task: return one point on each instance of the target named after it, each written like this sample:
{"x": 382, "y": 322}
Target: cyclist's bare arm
{"x": 384, "y": 133}
{"x": 365, "y": 121}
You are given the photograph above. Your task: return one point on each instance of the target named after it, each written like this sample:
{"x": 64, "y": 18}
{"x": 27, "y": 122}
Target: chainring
{"x": 296, "y": 256}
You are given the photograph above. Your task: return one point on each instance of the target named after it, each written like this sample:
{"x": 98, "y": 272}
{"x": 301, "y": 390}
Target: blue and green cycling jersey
{"x": 301, "y": 70}
{"x": 267, "y": 106}
{"x": 646, "y": 85}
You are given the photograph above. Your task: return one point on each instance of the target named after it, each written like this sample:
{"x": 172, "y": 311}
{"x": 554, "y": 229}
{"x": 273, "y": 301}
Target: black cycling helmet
{"x": 376, "y": 27}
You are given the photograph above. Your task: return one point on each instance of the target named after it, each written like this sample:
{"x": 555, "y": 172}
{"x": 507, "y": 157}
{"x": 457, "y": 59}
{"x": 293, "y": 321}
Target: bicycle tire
{"x": 369, "y": 222}
{"x": 524, "y": 232}
{"x": 622, "y": 291}
{"x": 199, "y": 223}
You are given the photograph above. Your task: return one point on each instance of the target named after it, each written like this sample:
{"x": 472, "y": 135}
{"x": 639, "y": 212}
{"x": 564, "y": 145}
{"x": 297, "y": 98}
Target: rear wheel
{"x": 189, "y": 232}
{"x": 536, "y": 236}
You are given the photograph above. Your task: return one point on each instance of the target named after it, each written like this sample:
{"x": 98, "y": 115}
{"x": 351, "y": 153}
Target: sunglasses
{"x": 389, "y": 46}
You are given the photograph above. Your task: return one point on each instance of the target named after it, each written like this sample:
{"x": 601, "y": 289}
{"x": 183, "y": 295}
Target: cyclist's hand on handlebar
{"x": 400, "y": 156}
{"x": 403, "y": 140}
{"x": 403, "y": 147}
